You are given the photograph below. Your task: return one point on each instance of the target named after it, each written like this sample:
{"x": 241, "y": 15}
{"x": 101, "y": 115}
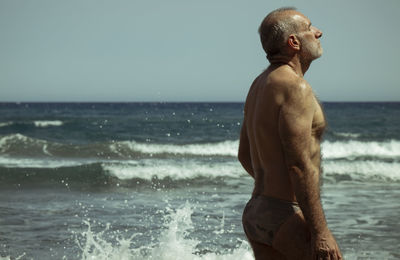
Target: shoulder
{"x": 253, "y": 92}
{"x": 292, "y": 87}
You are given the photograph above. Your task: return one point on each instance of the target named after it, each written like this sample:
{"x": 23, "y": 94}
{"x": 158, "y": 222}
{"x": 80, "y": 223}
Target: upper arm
{"x": 295, "y": 125}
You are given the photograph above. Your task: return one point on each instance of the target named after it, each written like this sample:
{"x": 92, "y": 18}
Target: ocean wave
{"x": 362, "y": 170}
{"x": 113, "y": 175}
{"x": 18, "y": 145}
{"x": 23, "y": 146}
{"x": 225, "y": 148}
{"x": 348, "y": 135}
{"x": 354, "y": 149}
{"x": 11, "y": 162}
{"x": 3, "y": 124}
{"x": 47, "y": 123}
{"x": 37, "y": 123}
{"x": 175, "y": 170}
{"x": 146, "y": 169}
{"x": 128, "y": 171}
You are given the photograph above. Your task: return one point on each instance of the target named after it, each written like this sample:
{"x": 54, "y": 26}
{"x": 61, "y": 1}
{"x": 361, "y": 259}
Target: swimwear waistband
{"x": 276, "y": 200}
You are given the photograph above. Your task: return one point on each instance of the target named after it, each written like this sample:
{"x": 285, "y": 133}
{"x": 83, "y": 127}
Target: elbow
{"x": 295, "y": 171}
{"x": 301, "y": 172}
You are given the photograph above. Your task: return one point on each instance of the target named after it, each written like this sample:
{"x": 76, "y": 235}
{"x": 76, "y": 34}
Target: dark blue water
{"x": 161, "y": 180}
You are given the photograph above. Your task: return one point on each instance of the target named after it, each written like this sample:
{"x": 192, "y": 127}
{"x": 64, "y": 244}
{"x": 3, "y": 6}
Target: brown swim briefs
{"x": 263, "y": 216}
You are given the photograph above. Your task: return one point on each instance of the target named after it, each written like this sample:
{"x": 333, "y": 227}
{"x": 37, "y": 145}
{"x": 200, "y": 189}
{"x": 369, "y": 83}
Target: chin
{"x": 321, "y": 51}
{"x": 312, "y": 51}
{"x": 317, "y": 53}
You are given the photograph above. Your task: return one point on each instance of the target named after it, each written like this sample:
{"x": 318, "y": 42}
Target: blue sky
{"x": 186, "y": 50}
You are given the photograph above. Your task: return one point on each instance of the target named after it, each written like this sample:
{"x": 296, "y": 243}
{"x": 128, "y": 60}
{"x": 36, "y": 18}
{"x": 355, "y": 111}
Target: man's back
{"x": 280, "y": 146}
{"x": 269, "y": 92}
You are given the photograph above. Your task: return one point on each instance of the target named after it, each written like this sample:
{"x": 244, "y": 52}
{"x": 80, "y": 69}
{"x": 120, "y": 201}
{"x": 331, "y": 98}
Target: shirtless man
{"x": 280, "y": 146}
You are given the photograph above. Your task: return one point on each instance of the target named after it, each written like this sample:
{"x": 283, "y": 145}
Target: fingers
{"x": 339, "y": 255}
{"x": 322, "y": 255}
{"x": 326, "y": 255}
{"x": 326, "y": 250}
{"x": 334, "y": 255}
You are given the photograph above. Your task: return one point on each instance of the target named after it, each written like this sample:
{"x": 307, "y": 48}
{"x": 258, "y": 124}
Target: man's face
{"x": 309, "y": 38}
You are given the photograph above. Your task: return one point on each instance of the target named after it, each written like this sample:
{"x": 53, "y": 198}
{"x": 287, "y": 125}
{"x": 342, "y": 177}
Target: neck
{"x": 299, "y": 65}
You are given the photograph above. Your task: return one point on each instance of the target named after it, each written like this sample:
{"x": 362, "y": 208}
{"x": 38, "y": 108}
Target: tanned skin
{"x": 280, "y": 148}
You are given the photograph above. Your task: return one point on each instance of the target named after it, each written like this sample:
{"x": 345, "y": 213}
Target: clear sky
{"x": 186, "y": 50}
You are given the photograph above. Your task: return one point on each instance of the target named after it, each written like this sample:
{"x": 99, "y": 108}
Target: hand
{"x": 324, "y": 247}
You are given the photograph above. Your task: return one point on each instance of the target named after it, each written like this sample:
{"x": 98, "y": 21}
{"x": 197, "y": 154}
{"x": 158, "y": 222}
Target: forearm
{"x": 305, "y": 183}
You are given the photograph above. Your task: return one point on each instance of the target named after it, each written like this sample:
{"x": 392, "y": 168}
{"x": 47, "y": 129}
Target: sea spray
{"x": 174, "y": 243}
{"x": 95, "y": 246}
{"x": 10, "y": 258}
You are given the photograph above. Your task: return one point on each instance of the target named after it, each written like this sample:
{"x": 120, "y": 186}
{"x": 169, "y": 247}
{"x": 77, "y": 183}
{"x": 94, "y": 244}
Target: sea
{"x": 162, "y": 180}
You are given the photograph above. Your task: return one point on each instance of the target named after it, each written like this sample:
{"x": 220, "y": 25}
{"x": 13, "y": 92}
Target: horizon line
{"x": 127, "y": 102}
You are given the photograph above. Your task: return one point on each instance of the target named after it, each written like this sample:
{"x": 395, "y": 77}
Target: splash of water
{"x": 174, "y": 243}
{"x": 9, "y": 257}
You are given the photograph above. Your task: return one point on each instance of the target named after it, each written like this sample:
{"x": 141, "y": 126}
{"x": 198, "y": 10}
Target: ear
{"x": 293, "y": 42}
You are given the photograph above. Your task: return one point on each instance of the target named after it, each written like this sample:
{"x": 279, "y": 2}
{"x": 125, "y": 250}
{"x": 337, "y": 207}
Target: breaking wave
{"x": 47, "y": 123}
{"x": 21, "y": 146}
{"x": 354, "y": 149}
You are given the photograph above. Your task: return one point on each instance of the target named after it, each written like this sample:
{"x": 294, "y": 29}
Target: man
{"x": 280, "y": 146}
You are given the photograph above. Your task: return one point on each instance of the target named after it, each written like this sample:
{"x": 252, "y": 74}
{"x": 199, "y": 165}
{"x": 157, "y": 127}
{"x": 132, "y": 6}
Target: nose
{"x": 318, "y": 33}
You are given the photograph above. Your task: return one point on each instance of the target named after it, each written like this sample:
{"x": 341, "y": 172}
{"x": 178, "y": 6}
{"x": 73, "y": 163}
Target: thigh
{"x": 293, "y": 238}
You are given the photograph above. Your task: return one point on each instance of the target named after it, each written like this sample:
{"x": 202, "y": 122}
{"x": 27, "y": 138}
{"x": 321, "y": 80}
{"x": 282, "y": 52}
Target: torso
{"x": 261, "y": 115}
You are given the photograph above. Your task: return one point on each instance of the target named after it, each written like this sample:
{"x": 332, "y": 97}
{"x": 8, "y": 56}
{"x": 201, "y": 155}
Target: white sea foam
{"x": 3, "y": 124}
{"x": 226, "y": 148}
{"x": 350, "y": 135}
{"x": 38, "y": 163}
{"x": 352, "y": 149}
{"x": 9, "y": 257}
{"x": 348, "y": 153}
{"x": 188, "y": 169}
{"x": 5, "y": 141}
{"x": 45, "y": 151}
{"x": 11, "y": 142}
{"x": 13, "y": 137}
{"x": 42, "y": 123}
{"x": 174, "y": 243}
{"x": 364, "y": 169}
{"x": 331, "y": 150}
{"x": 17, "y": 137}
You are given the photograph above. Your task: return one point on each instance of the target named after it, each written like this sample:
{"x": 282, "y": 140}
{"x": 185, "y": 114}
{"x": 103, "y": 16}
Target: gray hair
{"x": 275, "y": 29}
